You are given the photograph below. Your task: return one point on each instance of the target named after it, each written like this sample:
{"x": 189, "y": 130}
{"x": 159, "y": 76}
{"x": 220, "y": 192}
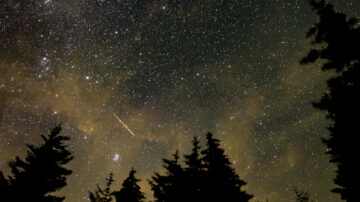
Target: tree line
{"x": 208, "y": 174}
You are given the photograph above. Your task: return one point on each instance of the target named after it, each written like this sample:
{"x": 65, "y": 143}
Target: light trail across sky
{"x": 127, "y": 128}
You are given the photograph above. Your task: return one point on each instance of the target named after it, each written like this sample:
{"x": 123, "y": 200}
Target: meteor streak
{"x": 127, "y": 128}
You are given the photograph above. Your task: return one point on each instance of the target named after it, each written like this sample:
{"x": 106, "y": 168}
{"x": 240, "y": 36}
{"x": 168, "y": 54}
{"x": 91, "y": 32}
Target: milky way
{"x": 170, "y": 70}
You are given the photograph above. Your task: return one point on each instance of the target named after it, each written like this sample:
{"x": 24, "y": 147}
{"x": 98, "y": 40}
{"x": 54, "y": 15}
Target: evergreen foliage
{"x": 338, "y": 44}
{"x": 171, "y": 186}
{"x": 208, "y": 176}
{"x": 221, "y": 181}
{"x": 102, "y": 195}
{"x": 42, "y": 171}
{"x": 130, "y": 191}
{"x": 194, "y": 173}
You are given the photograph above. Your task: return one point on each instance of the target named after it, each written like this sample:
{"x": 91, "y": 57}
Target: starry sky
{"x": 170, "y": 70}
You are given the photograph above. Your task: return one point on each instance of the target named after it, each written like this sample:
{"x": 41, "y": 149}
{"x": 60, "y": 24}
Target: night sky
{"x": 169, "y": 69}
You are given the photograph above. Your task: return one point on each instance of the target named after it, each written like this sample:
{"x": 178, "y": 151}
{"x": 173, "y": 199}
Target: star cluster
{"x": 170, "y": 69}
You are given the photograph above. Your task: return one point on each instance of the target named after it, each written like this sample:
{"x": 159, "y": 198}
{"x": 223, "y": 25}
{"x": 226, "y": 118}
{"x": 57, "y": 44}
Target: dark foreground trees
{"x": 221, "y": 181}
{"x": 130, "y": 191}
{"x": 337, "y": 42}
{"x": 171, "y": 186}
{"x": 209, "y": 177}
{"x": 41, "y": 173}
{"x": 103, "y": 195}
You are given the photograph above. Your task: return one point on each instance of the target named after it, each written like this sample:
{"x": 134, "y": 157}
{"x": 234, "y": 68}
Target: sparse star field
{"x": 133, "y": 80}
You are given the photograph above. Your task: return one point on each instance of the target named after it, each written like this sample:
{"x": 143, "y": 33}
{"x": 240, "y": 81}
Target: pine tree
{"x": 193, "y": 160}
{"x": 221, "y": 182}
{"x": 194, "y": 173}
{"x": 130, "y": 191}
{"x": 42, "y": 171}
{"x": 208, "y": 176}
{"x": 338, "y": 42}
{"x": 169, "y": 187}
{"x": 102, "y": 195}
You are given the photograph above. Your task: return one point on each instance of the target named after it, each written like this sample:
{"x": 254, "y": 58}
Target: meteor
{"x": 127, "y": 128}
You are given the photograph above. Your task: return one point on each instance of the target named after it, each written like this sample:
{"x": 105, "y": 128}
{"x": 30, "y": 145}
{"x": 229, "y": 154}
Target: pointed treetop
{"x": 130, "y": 191}
{"x": 193, "y": 160}
{"x": 102, "y": 195}
{"x": 42, "y": 171}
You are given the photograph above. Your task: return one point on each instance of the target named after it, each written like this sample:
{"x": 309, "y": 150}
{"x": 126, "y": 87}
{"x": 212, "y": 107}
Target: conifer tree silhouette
{"x": 208, "y": 176}
{"x": 42, "y": 171}
{"x": 193, "y": 161}
{"x": 194, "y": 173}
{"x": 338, "y": 44}
{"x": 130, "y": 191}
{"x": 221, "y": 183}
{"x": 102, "y": 195}
{"x": 169, "y": 187}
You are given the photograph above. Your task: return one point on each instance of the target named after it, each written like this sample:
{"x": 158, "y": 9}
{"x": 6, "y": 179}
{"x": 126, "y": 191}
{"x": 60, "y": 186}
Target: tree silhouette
{"x": 208, "y": 176}
{"x": 41, "y": 172}
{"x": 193, "y": 161}
{"x": 338, "y": 42}
{"x": 102, "y": 195}
{"x": 221, "y": 183}
{"x": 171, "y": 186}
{"x": 194, "y": 173}
{"x": 130, "y": 191}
